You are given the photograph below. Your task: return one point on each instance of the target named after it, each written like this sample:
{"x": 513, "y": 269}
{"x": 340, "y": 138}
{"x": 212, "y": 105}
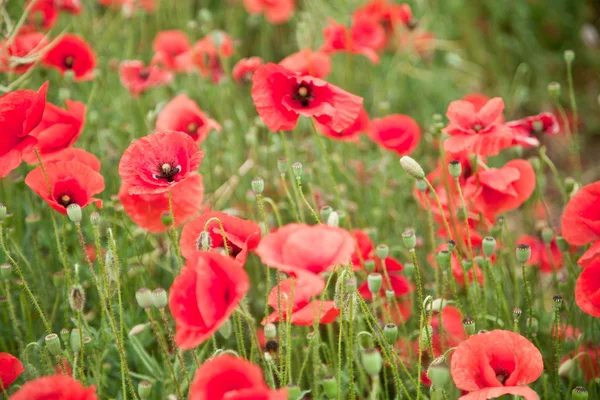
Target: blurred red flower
{"x": 581, "y": 219}
{"x": 20, "y": 112}
{"x": 70, "y": 6}
{"x": 147, "y": 210}
{"x": 308, "y": 62}
{"x": 478, "y": 100}
{"x": 541, "y": 123}
{"x": 137, "y": 78}
{"x": 338, "y": 37}
{"x": 61, "y": 387}
{"x": 276, "y": 11}
{"x": 306, "y": 248}
{"x": 366, "y": 32}
{"x": 450, "y": 321}
{"x": 396, "y": 132}
{"x": 75, "y": 154}
{"x": 281, "y": 96}
{"x": 241, "y": 235}
{"x": 208, "y": 55}
{"x": 495, "y": 363}
{"x": 182, "y": 114}
{"x": 42, "y": 15}
{"x": 479, "y": 132}
{"x": 362, "y": 124}
{"x": 72, "y": 53}
{"x": 204, "y": 295}
{"x": 587, "y": 290}
{"x": 539, "y": 254}
{"x": 228, "y": 377}
{"x": 21, "y": 54}
{"x": 244, "y": 69}
{"x": 129, "y": 6}
{"x": 157, "y": 162}
{"x": 390, "y": 15}
{"x": 172, "y": 50}
{"x": 70, "y": 182}
{"x": 10, "y": 369}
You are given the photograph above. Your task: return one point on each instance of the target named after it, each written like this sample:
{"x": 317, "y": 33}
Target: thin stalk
{"x": 173, "y": 229}
{"x": 165, "y": 350}
{"x": 441, "y": 209}
{"x": 312, "y": 211}
{"x": 165, "y": 321}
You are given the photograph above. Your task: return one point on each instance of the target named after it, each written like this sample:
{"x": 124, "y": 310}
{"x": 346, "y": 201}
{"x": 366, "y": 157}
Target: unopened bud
{"x": 204, "y": 241}
{"x": 438, "y": 372}
{"x": 426, "y": 336}
{"x": 333, "y": 219}
{"x": 75, "y": 340}
{"x": 412, "y": 167}
{"x": 569, "y": 56}
{"x": 326, "y": 212}
{"x": 144, "y": 298}
{"x": 566, "y": 367}
{"x": 554, "y": 89}
{"x": 77, "y": 298}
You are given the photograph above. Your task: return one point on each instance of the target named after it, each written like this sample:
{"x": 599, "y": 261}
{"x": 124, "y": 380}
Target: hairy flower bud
{"x": 77, "y": 298}
{"x": 412, "y": 167}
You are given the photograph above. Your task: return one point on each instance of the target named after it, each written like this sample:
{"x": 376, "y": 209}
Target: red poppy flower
{"x": 539, "y": 254}
{"x": 182, "y": 114}
{"x": 57, "y": 130}
{"x": 42, "y": 15}
{"x": 245, "y": 69}
{"x": 420, "y": 42}
{"x": 390, "y": 15}
{"x": 478, "y": 100}
{"x": 581, "y": 219}
{"x": 308, "y": 62}
{"x": 339, "y": 38}
{"x": 525, "y": 128}
{"x": 497, "y": 190}
{"x": 75, "y": 154}
{"x": 587, "y": 290}
{"x": 489, "y": 365}
{"x": 157, "y": 162}
{"x": 305, "y": 248}
{"x": 231, "y": 378}
{"x": 147, "y": 210}
{"x": 10, "y": 369}
{"x": 70, "y": 182}
{"x": 362, "y": 124}
{"x": 276, "y": 11}
{"x": 241, "y": 235}
{"x": 281, "y": 96}
{"x": 304, "y": 311}
{"x": 70, "y": 6}
{"x": 208, "y": 54}
{"x": 137, "y": 78}
{"x": 72, "y": 53}
{"x": 21, "y": 54}
{"x": 20, "y": 112}
{"x": 477, "y": 131}
{"x": 172, "y": 50}
{"x": 590, "y": 362}
{"x": 450, "y": 322}
{"x": 61, "y": 387}
{"x": 204, "y": 295}
{"x": 397, "y": 132}
{"x": 130, "y": 6}
{"x": 366, "y": 32}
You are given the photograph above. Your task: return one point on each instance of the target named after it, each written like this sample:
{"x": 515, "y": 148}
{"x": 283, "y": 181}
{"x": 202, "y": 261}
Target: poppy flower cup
{"x": 10, "y": 369}
{"x": 137, "y": 77}
{"x": 398, "y": 133}
{"x": 581, "y": 219}
{"x": 244, "y": 69}
{"x": 61, "y": 387}
{"x": 362, "y": 124}
{"x": 172, "y": 51}
{"x": 489, "y": 365}
{"x": 308, "y": 62}
{"x": 275, "y": 11}
{"x": 72, "y": 53}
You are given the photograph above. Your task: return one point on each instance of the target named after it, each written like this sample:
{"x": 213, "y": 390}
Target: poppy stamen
{"x": 167, "y": 172}
{"x": 477, "y": 127}
{"x": 65, "y": 200}
{"x": 192, "y": 127}
{"x": 303, "y": 94}
{"x": 69, "y": 61}
{"x": 144, "y": 74}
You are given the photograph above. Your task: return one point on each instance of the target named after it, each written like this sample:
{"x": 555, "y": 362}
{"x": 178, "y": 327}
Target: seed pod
{"x": 523, "y": 253}
{"x": 370, "y": 265}
{"x": 409, "y": 239}
{"x": 517, "y": 312}
{"x": 95, "y": 218}
{"x": 372, "y": 361}
{"x": 569, "y": 56}
{"x": 74, "y": 212}
{"x": 53, "y": 344}
{"x": 145, "y": 390}
{"x": 160, "y": 298}
{"x": 469, "y": 325}
{"x": 382, "y": 251}
{"x": 297, "y": 170}
{"x": 64, "y": 335}
{"x": 580, "y": 393}
{"x": 270, "y": 331}
{"x": 489, "y": 246}
{"x": 144, "y": 298}
{"x": 547, "y": 235}
{"x": 333, "y": 219}
{"x": 258, "y": 185}
{"x": 451, "y": 244}
{"x": 554, "y": 89}
{"x": 75, "y": 340}
{"x": 390, "y": 332}
{"x": 374, "y": 282}
{"x": 443, "y": 259}
{"x": 455, "y": 168}
{"x": 330, "y": 387}
{"x": 558, "y": 302}
{"x": 438, "y": 372}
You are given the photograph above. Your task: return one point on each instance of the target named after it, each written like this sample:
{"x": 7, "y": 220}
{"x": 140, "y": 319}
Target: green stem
{"x": 312, "y": 211}
{"x": 173, "y": 229}
{"x": 165, "y": 350}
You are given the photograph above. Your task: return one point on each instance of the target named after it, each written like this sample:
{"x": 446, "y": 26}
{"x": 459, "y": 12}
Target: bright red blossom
{"x": 72, "y": 53}
{"x": 338, "y": 37}
{"x": 282, "y": 96}
{"x": 208, "y": 53}
{"x": 276, "y": 11}
{"x": 75, "y": 154}
{"x": 61, "y": 387}
{"x": 183, "y": 114}
{"x": 244, "y": 69}
{"x": 390, "y": 15}
{"x": 137, "y": 78}
{"x": 172, "y": 50}
{"x": 308, "y": 62}
{"x": 397, "y": 132}
{"x": 362, "y": 124}
{"x": 43, "y": 15}
{"x": 525, "y": 129}
{"x": 450, "y": 320}
{"x": 587, "y": 290}
{"x": 10, "y": 369}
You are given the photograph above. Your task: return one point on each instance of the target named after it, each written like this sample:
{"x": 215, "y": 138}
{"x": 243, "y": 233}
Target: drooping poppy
{"x": 580, "y": 223}
{"x": 58, "y": 129}
{"x": 244, "y": 69}
{"x": 489, "y": 365}
{"x": 338, "y": 37}
{"x": 396, "y": 132}
{"x": 20, "y": 112}
{"x": 275, "y": 11}
{"x": 208, "y": 55}
{"x": 497, "y": 190}
{"x": 137, "y": 78}
{"x": 204, "y": 295}
{"x": 227, "y": 377}
{"x": 10, "y": 369}
{"x": 147, "y": 210}
{"x": 478, "y": 132}
{"x": 22, "y": 53}
{"x": 548, "y": 260}
{"x": 587, "y": 290}
{"x": 72, "y": 53}
{"x": 362, "y": 124}
{"x": 282, "y": 96}
{"x": 305, "y": 248}
{"x": 182, "y": 114}
{"x": 172, "y": 50}
{"x": 308, "y": 62}
{"x": 71, "y": 182}
{"x": 241, "y": 235}
{"x": 299, "y": 290}
{"x": 157, "y": 162}
{"x": 61, "y": 387}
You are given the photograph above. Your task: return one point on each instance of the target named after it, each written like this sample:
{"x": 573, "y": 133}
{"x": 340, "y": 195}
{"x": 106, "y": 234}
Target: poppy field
{"x": 299, "y": 199}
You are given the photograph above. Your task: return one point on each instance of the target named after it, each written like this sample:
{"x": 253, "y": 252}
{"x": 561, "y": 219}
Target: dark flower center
{"x": 303, "y": 95}
{"x": 167, "y": 172}
{"x": 502, "y": 375}
{"x": 477, "y": 127}
{"x": 192, "y": 127}
{"x": 69, "y": 61}
{"x": 144, "y": 74}
{"x": 64, "y": 200}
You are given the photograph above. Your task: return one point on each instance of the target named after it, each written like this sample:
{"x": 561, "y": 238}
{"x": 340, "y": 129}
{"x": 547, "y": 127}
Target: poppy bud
{"x": 579, "y": 393}
{"x": 566, "y": 367}
{"x": 443, "y": 259}
{"x": 144, "y": 298}
{"x": 517, "y": 312}
{"x": 562, "y": 243}
{"x": 95, "y": 218}
{"x": 64, "y": 334}
{"x": 421, "y": 185}
{"x": 77, "y": 298}
{"x": 372, "y": 361}
{"x": 569, "y": 56}
{"x": 204, "y": 241}
{"x": 382, "y": 251}
{"x": 558, "y": 302}
{"x": 293, "y": 392}
{"x": 425, "y": 337}
{"x": 370, "y": 265}
{"x": 389, "y": 295}
{"x": 2, "y": 212}
{"x": 411, "y": 167}
{"x": 374, "y": 282}
{"x": 455, "y": 168}
{"x": 330, "y": 387}
{"x": 159, "y": 298}
{"x": 410, "y": 239}
{"x": 53, "y": 344}
{"x": 145, "y": 390}
{"x": 75, "y": 340}
{"x": 258, "y": 185}
{"x": 533, "y": 322}
{"x": 523, "y": 253}
{"x": 547, "y": 235}
{"x": 438, "y": 372}
{"x": 282, "y": 165}
{"x": 226, "y": 329}
{"x": 325, "y": 212}
{"x": 297, "y": 170}
{"x": 390, "y": 332}
{"x": 333, "y": 219}
{"x": 489, "y": 246}
{"x": 166, "y": 218}
{"x": 5, "y": 271}
{"x": 137, "y": 329}
{"x": 451, "y": 245}
{"x": 270, "y": 331}
{"x": 554, "y": 89}
{"x": 469, "y": 325}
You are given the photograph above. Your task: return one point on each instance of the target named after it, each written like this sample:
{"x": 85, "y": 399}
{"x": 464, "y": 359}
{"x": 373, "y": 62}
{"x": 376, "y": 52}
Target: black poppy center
{"x": 144, "y": 74}
{"x": 303, "y": 94}
{"x": 502, "y": 375}
{"x": 65, "y": 200}
{"x": 167, "y": 172}
{"x": 69, "y": 61}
